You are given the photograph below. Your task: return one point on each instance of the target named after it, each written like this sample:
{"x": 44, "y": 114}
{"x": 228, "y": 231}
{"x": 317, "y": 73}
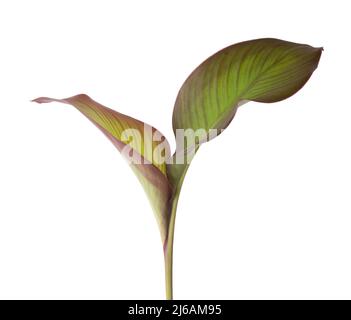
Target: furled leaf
{"x": 262, "y": 70}
{"x": 142, "y": 144}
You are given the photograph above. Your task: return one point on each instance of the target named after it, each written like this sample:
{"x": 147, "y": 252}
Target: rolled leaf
{"x": 138, "y": 142}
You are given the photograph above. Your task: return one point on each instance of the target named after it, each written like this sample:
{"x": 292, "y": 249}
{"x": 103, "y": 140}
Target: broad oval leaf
{"x": 263, "y": 70}
{"x": 138, "y": 141}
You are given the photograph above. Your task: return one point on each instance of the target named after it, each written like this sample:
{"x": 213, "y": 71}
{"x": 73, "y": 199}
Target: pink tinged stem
{"x": 168, "y": 247}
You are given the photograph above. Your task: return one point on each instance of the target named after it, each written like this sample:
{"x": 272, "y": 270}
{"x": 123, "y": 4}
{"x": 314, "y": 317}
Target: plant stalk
{"x": 169, "y": 272}
{"x": 168, "y": 249}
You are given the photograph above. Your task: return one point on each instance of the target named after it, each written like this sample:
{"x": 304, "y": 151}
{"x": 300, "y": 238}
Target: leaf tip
{"x": 81, "y": 96}
{"x": 40, "y": 100}
{"x": 318, "y": 52}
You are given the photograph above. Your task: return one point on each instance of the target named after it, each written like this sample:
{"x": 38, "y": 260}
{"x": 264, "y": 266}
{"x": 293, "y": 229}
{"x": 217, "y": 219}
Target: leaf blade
{"x": 262, "y": 70}
{"x": 150, "y": 171}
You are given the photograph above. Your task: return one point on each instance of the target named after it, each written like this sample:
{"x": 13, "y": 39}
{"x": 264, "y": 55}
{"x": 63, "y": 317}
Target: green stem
{"x": 176, "y": 175}
{"x": 168, "y": 250}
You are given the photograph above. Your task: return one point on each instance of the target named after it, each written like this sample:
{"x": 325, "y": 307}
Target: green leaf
{"x": 262, "y": 70}
{"x": 142, "y": 144}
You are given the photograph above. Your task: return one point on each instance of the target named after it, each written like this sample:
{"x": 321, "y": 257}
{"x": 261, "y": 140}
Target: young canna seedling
{"x": 262, "y": 70}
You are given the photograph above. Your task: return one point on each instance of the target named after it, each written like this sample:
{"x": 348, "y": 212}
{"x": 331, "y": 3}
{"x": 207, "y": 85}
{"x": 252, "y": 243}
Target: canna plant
{"x": 261, "y": 70}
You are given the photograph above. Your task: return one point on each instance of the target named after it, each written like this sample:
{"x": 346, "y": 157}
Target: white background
{"x": 265, "y": 211}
